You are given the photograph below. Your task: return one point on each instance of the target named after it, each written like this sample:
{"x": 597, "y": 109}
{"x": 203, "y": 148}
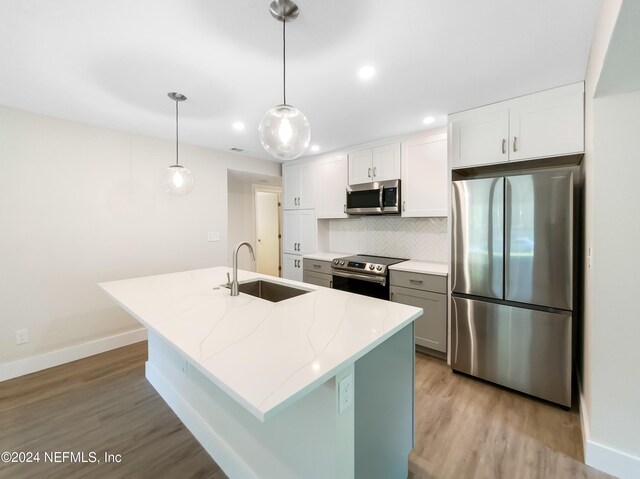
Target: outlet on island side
{"x": 345, "y": 393}
{"x": 213, "y": 236}
{"x": 22, "y": 336}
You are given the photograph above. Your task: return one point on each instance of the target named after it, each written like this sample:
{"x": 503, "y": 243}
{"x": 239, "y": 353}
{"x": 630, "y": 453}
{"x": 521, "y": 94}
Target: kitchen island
{"x": 319, "y": 385}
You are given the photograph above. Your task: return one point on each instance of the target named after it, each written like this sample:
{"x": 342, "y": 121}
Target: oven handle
{"x": 364, "y": 277}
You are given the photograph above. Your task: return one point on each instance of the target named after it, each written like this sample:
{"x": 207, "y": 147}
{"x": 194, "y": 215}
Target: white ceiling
{"x": 111, "y": 63}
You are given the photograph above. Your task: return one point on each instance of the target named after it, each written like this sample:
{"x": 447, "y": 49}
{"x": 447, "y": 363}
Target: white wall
{"x": 80, "y": 205}
{"x": 610, "y": 392}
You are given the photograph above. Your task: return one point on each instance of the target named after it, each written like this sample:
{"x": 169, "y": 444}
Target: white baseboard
{"x": 33, "y": 364}
{"x": 601, "y": 457}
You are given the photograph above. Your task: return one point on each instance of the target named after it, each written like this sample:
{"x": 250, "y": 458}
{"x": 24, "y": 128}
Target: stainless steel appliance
{"x": 363, "y": 274}
{"x": 512, "y": 280}
{"x": 379, "y": 198}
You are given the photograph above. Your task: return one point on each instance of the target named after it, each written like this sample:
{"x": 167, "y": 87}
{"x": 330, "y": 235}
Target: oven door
{"x": 367, "y": 285}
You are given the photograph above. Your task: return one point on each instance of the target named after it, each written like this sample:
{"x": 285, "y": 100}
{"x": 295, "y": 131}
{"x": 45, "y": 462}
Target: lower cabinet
{"x": 292, "y": 267}
{"x": 317, "y": 272}
{"x": 429, "y": 293}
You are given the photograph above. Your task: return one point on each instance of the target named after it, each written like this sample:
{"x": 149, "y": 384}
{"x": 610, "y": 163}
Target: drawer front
{"x": 424, "y": 282}
{"x": 318, "y": 279}
{"x": 430, "y": 328}
{"x": 317, "y": 265}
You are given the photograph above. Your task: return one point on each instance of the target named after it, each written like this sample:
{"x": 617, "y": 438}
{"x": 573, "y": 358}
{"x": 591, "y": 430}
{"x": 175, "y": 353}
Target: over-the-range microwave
{"x": 378, "y": 198}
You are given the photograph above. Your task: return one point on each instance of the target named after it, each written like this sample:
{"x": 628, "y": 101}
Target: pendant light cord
{"x": 284, "y": 63}
{"x": 177, "y": 132}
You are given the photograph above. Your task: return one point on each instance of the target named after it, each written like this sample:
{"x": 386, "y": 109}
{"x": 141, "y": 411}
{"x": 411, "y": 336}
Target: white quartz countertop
{"x": 264, "y": 355}
{"x": 424, "y": 267}
{"x": 326, "y": 256}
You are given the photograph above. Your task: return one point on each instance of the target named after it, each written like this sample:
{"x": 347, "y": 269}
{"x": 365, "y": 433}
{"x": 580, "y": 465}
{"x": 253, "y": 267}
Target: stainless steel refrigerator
{"x": 512, "y": 280}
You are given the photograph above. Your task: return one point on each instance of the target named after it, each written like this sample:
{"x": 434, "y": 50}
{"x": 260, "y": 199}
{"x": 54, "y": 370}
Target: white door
{"x": 292, "y": 267}
{"x": 306, "y": 232}
{"x": 290, "y": 186}
{"x": 424, "y": 177}
{"x": 479, "y": 137}
{"x": 386, "y": 162}
{"x": 267, "y": 233}
{"x": 290, "y": 231}
{"x": 360, "y": 168}
{"x": 331, "y": 172}
{"x": 549, "y": 123}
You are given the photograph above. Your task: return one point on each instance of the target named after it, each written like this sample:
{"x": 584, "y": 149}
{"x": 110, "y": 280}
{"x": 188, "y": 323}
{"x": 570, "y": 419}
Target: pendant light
{"x": 284, "y": 130}
{"x": 178, "y": 179}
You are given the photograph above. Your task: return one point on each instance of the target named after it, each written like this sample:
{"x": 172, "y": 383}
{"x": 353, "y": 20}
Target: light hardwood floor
{"x": 464, "y": 427}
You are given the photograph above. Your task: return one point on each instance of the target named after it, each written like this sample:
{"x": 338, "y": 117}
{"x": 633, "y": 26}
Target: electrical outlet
{"x": 213, "y": 236}
{"x": 345, "y": 393}
{"x": 22, "y": 336}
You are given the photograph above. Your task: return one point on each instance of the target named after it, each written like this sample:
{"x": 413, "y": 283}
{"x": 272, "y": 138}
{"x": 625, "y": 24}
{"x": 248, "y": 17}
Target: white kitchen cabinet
{"x": 549, "y": 123}
{"x": 424, "y": 177}
{"x": 299, "y": 231}
{"x": 545, "y": 124}
{"x": 292, "y": 267}
{"x": 429, "y": 293}
{"x": 298, "y": 186}
{"x": 479, "y": 137}
{"x": 331, "y": 174}
{"x": 380, "y": 163}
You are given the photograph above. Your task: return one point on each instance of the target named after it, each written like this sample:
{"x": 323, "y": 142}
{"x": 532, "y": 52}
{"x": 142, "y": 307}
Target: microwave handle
{"x": 381, "y": 197}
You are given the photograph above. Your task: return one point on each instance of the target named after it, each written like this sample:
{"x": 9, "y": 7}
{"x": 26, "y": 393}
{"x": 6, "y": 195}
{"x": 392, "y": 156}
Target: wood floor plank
{"x": 465, "y": 428}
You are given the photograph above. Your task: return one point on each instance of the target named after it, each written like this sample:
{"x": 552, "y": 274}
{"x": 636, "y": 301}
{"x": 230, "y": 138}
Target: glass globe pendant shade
{"x": 285, "y": 132}
{"x": 178, "y": 180}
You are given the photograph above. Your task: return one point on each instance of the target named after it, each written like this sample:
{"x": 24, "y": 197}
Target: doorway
{"x": 268, "y": 230}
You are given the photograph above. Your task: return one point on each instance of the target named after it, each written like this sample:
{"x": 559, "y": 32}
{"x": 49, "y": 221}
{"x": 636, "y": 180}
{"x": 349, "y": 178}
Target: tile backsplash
{"x": 414, "y": 238}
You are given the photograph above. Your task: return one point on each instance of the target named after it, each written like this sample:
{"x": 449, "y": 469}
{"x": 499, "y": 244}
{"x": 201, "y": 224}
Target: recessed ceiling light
{"x": 238, "y": 126}
{"x": 315, "y": 148}
{"x": 428, "y": 120}
{"x": 366, "y": 72}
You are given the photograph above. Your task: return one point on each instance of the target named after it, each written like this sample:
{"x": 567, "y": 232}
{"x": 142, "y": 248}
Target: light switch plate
{"x": 345, "y": 393}
{"x": 213, "y": 236}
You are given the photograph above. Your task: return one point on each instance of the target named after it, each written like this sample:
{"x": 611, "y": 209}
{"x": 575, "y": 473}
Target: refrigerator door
{"x": 523, "y": 349}
{"x": 539, "y": 239}
{"x": 477, "y": 237}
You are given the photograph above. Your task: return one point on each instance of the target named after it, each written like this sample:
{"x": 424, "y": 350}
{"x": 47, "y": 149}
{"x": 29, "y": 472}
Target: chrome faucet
{"x": 234, "y": 283}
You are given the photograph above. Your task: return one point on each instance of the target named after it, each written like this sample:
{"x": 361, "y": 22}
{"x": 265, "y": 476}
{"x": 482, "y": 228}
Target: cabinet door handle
{"x": 404, "y": 206}
{"x": 515, "y": 143}
{"x": 504, "y": 146}
{"x": 369, "y": 172}
{"x": 345, "y": 208}
{"x": 317, "y": 266}
{"x": 374, "y": 172}
{"x": 417, "y": 281}
{"x": 330, "y": 283}
{"x": 391, "y": 296}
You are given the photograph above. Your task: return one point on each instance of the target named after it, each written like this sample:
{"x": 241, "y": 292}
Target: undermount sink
{"x": 269, "y": 291}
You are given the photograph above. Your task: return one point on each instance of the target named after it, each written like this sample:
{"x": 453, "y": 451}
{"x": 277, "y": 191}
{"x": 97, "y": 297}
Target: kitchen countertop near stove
{"x": 423, "y": 267}
{"x": 264, "y": 355}
{"x": 326, "y": 256}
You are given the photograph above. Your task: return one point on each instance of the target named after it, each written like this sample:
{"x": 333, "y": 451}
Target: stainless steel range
{"x": 363, "y": 274}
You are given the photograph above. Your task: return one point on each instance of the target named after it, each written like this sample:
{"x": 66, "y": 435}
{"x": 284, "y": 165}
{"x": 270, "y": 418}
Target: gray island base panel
{"x": 294, "y": 422}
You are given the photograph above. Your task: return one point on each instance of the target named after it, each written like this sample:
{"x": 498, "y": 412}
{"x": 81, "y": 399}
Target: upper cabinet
{"x": 424, "y": 176}
{"x": 298, "y": 185}
{"x": 380, "y": 163}
{"x": 331, "y": 174}
{"x": 544, "y": 124}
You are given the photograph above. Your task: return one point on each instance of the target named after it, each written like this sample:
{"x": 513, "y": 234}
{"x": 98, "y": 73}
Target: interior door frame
{"x": 268, "y": 189}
